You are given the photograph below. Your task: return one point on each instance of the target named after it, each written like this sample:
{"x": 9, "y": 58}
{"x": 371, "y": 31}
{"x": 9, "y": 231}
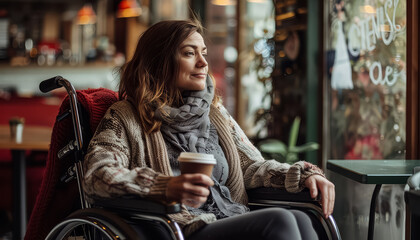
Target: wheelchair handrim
{"x": 62, "y": 229}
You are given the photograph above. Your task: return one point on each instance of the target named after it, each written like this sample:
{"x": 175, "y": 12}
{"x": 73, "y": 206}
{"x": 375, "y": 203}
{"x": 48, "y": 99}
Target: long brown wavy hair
{"x": 149, "y": 78}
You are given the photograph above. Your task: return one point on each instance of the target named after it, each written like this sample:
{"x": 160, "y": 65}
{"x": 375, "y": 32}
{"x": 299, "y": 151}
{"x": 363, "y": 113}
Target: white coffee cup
{"x": 16, "y": 129}
{"x": 196, "y": 163}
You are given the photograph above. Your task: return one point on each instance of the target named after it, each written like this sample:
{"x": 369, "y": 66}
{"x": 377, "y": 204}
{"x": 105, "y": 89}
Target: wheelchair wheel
{"x": 92, "y": 224}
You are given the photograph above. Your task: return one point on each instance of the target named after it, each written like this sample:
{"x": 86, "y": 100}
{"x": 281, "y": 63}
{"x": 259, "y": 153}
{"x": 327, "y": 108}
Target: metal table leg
{"x": 19, "y": 194}
{"x": 371, "y": 229}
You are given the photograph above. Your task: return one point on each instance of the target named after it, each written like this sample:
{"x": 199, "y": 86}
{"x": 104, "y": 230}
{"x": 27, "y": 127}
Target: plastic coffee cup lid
{"x": 197, "y": 158}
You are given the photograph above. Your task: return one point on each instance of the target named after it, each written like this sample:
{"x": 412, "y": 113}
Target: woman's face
{"x": 193, "y": 66}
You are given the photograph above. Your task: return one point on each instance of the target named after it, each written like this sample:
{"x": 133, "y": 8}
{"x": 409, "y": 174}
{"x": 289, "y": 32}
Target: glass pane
{"x": 256, "y": 66}
{"x": 221, "y": 25}
{"x": 366, "y": 71}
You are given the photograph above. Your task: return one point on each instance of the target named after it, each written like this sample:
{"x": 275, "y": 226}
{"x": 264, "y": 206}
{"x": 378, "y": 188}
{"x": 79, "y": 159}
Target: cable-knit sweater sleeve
{"x": 259, "y": 172}
{"x": 115, "y": 164}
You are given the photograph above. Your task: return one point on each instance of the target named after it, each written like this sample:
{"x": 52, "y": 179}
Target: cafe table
{"x": 374, "y": 172}
{"x": 33, "y": 138}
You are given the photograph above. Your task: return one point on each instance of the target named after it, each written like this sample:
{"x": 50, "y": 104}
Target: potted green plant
{"x": 276, "y": 149}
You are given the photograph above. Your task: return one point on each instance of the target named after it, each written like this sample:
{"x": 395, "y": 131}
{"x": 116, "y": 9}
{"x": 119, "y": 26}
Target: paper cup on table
{"x": 16, "y": 129}
{"x": 196, "y": 163}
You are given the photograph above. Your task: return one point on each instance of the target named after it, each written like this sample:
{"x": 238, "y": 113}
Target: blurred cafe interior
{"x": 327, "y": 81}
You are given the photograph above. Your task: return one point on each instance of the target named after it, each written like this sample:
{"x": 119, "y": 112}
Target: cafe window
{"x": 220, "y": 26}
{"x": 239, "y": 35}
{"x": 255, "y": 68}
{"x": 366, "y": 79}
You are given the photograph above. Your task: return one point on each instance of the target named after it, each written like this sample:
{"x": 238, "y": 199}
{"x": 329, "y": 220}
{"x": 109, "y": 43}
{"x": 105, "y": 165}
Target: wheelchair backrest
{"x": 56, "y": 199}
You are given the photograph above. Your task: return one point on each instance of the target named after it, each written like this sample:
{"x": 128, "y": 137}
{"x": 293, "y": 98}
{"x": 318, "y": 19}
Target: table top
{"x": 33, "y": 138}
{"x": 374, "y": 171}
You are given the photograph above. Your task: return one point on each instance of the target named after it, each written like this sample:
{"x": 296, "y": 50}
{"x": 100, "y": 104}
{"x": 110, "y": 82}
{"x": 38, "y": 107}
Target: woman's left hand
{"x": 317, "y": 183}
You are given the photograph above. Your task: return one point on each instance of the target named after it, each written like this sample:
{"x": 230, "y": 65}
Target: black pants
{"x": 269, "y": 223}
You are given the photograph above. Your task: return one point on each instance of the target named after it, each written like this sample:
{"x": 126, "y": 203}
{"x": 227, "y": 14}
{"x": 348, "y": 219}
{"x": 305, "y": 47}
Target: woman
{"x": 168, "y": 106}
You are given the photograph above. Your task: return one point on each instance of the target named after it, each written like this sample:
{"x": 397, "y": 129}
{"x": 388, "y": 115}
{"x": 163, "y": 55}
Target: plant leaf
{"x": 273, "y": 146}
{"x": 294, "y": 132}
{"x": 310, "y": 146}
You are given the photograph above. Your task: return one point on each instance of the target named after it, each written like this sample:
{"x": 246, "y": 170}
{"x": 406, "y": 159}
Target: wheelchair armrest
{"x": 275, "y": 197}
{"x": 277, "y": 194}
{"x": 135, "y": 204}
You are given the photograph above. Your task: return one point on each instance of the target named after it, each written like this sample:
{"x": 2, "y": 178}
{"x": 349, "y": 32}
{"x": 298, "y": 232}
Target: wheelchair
{"x": 62, "y": 211}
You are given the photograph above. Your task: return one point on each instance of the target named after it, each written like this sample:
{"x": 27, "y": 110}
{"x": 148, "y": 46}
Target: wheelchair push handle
{"x": 58, "y": 82}
{"x": 51, "y": 84}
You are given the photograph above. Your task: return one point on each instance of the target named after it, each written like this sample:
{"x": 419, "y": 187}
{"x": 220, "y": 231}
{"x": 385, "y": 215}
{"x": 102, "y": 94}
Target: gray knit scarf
{"x": 187, "y": 127}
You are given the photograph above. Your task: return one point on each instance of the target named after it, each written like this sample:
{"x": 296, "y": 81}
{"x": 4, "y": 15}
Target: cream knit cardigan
{"x": 122, "y": 159}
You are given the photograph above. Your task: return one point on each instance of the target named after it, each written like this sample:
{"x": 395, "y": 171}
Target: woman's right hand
{"x": 189, "y": 189}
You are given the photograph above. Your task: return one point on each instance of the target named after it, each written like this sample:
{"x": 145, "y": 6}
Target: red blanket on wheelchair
{"x": 56, "y": 200}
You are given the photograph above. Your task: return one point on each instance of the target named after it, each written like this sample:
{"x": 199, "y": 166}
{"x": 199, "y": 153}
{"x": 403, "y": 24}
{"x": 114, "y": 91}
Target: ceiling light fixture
{"x": 128, "y": 8}
{"x": 86, "y": 15}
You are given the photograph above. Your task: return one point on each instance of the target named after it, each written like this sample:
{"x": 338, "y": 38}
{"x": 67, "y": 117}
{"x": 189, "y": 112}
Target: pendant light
{"x": 86, "y": 15}
{"x": 128, "y": 8}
